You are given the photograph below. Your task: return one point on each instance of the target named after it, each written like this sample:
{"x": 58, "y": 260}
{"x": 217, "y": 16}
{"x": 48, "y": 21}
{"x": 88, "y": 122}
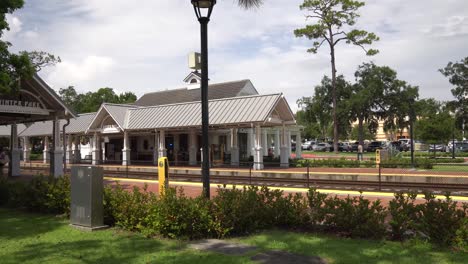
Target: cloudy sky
{"x": 142, "y": 46}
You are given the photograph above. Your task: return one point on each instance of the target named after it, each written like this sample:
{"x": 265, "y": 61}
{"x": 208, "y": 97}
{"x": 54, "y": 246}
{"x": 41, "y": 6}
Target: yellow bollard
{"x": 163, "y": 175}
{"x": 377, "y": 158}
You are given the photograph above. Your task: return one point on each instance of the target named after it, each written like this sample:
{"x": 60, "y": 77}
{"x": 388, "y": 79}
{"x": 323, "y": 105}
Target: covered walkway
{"x": 34, "y": 102}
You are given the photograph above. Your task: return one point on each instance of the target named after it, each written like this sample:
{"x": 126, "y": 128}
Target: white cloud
{"x": 15, "y": 27}
{"x": 142, "y": 47}
{"x": 72, "y": 73}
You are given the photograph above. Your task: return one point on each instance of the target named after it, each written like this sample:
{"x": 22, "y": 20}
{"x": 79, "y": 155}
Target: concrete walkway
{"x": 270, "y": 257}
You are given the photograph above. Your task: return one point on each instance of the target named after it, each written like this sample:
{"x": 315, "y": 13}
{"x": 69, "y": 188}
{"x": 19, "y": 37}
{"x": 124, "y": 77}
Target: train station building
{"x": 244, "y": 126}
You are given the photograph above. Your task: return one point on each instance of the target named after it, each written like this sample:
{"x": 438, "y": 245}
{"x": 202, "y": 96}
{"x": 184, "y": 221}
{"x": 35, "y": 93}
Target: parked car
{"x": 308, "y": 145}
{"x": 437, "y": 148}
{"x": 332, "y": 146}
{"x": 459, "y": 147}
{"x": 322, "y": 147}
{"x": 374, "y": 145}
{"x": 404, "y": 144}
{"x": 346, "y": 146}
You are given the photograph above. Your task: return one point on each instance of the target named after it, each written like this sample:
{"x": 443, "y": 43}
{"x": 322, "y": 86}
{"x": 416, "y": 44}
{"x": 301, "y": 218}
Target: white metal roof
{"x": 230, "y": 111}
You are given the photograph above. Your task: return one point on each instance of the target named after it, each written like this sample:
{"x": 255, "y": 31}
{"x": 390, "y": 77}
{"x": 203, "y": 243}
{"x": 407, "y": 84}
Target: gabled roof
{"x": 194, "y": 74}
{"x": 183, "y": 95}
{"x": 39, "y": 92}
{"x": 243, "y": 110}
{"x": 116, "y": 111}
{"x": 5, "y": 131}
{"x": 77, "y": 125}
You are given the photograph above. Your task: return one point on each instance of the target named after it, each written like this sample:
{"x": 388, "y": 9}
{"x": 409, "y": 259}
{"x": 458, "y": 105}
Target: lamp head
{"x": 203, "y": 8}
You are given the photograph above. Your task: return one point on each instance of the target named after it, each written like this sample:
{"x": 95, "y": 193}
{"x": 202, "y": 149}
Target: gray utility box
{"x": 87, "y": 197}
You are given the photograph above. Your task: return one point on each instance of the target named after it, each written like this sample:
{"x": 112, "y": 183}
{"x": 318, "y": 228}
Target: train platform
{"x": 194, "y": 189}
{"x": 388, "y": 175}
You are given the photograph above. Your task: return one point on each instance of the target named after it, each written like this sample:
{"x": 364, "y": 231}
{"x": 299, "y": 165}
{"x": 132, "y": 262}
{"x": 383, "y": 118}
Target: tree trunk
{"x": 335, "y": 121}
{"x": 361, "y": 131}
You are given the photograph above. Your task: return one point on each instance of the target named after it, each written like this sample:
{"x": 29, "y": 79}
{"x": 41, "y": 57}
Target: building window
{"x": 193, "y": 81}
{"x": 145, "y": 144}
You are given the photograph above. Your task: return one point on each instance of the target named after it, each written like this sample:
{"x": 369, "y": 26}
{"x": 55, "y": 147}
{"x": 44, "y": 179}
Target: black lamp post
{"x": 203, "y": 9}
{"x": 412, "y": 117}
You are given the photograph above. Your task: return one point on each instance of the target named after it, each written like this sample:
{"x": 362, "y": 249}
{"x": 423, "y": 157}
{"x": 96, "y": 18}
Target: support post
{"x": 126, "y": 150}
{"x": 77, "y": 151}
{"x": 265, "y": 142}
{"x": 56, "y": 153}
{"x": 162, "y": 144}
{"x": 15, "y": 159}
{"x": 26, "y": 149}
{"x": 45, "y": 152}
{"x": 96, "y": 152}
{"x": 192, "y": 148}
{"x": 69, "y": 154}
{"x": 298, "y": 145}
{"x": 258, "y": 157}
{"x": 155, "y": 148}
{"x": 277, "y": 142}
{"x": 284, "y": 157}
{"x": 234, "y": 148}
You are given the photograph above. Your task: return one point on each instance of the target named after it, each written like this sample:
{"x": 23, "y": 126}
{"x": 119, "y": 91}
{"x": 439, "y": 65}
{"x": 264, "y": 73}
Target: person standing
{"x": 4, "y": 159}
{"x": 359, "y": 152}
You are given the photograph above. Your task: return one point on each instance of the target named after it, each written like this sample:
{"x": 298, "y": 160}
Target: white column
{"x": 69, "y": 154}
{"x": 45, "y": 152}
{"x": 250, "y": 142}
{"x": 258, "y": 157}
{"x": 234, "y": 147}
{"x": 56, "y": 153}
{"x": 155, "y": 148}
{"x": 264, "y": 142}
{"x": 77, "y": 151}
{"x": 277, "y": 142}
{"x": 298, "y": 145}
{"x": 162, "y": 144}
{"x": 26, "y": 149}
{"x": 96, "y": 149}
{"x": 15, "y": 169}
{"x": 284, "y": 157}
{"x": 192, "y": 148}
{"x": 289, "y": 143}
{"x": 126, "y": 150}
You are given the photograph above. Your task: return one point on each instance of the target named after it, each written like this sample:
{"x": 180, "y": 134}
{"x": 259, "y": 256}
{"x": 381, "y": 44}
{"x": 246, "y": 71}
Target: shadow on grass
{"x": 16, "y": 225}
{"x": 343, "y": 250}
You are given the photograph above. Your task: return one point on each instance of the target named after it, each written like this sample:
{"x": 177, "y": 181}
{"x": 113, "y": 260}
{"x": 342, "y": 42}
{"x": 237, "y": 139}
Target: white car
{"x": 322, "y": 147}
{"x": 308, "y": 145}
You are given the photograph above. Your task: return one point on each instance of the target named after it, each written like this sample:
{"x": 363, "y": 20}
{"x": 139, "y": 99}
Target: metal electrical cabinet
{"x": 87, "y": 197}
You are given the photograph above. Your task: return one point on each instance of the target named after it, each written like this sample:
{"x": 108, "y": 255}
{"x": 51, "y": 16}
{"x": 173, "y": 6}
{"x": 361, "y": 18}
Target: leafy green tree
{"x": 435, "y": 128}
{"x": 13, "y": 67}
{"x": 316, "y": 111}
{"x": 91, "y": 101}
{"x": 330, "y": 20}
{"x": 458, "y": 76}
{"x": 369, "y": 133}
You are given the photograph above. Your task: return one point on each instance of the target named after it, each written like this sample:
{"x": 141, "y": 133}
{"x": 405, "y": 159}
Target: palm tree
{"x": 247, "y": 4}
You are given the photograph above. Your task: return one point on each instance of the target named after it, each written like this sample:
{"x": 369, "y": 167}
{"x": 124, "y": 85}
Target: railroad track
{"x": 459, "y": 189}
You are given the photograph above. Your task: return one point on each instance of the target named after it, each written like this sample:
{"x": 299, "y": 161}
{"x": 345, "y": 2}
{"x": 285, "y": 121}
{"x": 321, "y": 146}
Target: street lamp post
{"x": 412, "y": 116}
{"x": 203, "y": 9}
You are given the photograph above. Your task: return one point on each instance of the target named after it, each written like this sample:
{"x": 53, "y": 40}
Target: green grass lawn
{"x": 33, "y": 238}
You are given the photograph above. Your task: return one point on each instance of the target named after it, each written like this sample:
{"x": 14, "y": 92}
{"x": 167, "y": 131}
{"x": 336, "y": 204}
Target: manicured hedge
{"x": 251, "y": 209}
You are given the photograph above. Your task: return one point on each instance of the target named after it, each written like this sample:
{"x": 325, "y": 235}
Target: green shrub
{"x": 177, "y": 216}
{"x": 128, "y": 209}
{"x": 460, "y": 241}
{"x": 440, "y": 219}
{"x": 316, "y": 201}
{"x": 4, "y": 191}
{"x": 355, "y": 217}
{"x": 403, "y": 212}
